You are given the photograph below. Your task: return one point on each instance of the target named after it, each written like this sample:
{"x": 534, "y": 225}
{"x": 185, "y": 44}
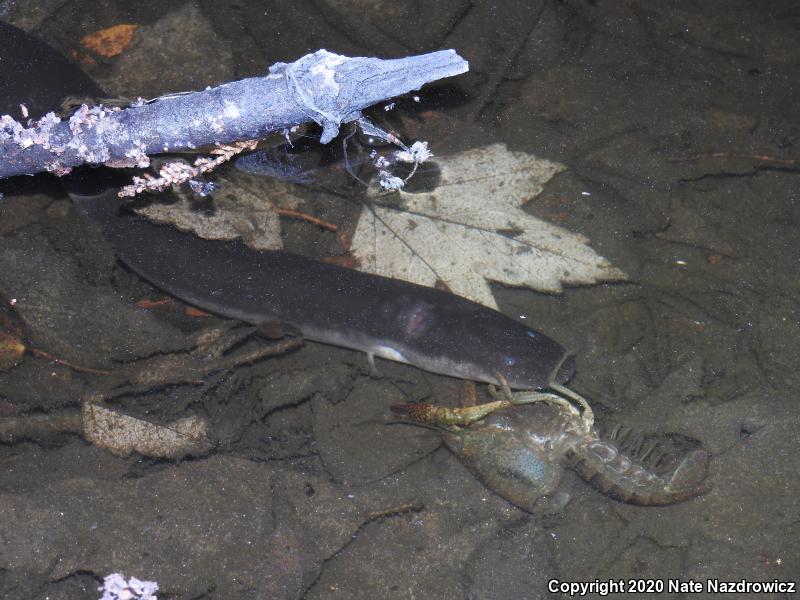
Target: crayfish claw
{"x": 505, "y": 390}
{"x": 587, "y": 414}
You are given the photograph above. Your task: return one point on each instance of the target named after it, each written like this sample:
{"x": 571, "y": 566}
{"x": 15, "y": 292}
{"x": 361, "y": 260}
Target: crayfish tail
{"x": 631, "y": 480}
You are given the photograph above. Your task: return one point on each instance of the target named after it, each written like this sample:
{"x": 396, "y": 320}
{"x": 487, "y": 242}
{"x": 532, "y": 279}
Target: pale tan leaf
{"x": 122, "y": 434}
{"x": 472, "y": 230}
{"x": 238, "y": 213}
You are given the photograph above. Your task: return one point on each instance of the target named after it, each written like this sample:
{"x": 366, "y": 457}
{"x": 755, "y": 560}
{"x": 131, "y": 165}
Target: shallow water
{"x": 678, "y": 128}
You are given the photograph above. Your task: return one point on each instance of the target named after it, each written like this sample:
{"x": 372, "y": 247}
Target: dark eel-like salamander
{"x": 425, "y": 327}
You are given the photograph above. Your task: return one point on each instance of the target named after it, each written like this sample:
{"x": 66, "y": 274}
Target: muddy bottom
{"x": 678, "y": 127}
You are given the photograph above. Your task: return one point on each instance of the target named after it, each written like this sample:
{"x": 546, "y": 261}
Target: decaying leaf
{"x": 111, "y": 41}
{"x": 472, "y": 230}
{"x": 237, "y": 213}
{"x": 122, "y": 434}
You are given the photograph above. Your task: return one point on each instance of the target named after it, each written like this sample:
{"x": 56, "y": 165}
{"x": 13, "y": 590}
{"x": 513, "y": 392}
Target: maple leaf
{"x": 472, "y": 230}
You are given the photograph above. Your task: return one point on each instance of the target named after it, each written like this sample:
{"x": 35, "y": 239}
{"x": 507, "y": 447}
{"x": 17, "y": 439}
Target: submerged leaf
{"x": 122, "y": 434}
{"x": 236, "y": 212}
{"x": 111, "y": 41}
{"x": 472, "y": 230}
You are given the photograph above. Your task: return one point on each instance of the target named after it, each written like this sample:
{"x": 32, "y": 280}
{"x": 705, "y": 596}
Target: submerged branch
{"x": 323, "y": 87}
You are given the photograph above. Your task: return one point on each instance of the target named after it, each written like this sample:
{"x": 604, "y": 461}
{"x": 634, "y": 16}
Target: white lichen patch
{"x": 231, "y": 110}
{"x": 325, "y": 73}
{"x": 42, "y": 134}
{"x": 37, "y": 134}
{"x": 390, "y": 182}
{"x": 138, "y": 155}
{"x": 418, "y": 153}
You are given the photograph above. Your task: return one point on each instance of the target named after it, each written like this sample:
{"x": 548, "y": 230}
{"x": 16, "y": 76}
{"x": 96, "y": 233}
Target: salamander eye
{"x": 510, "y": 361}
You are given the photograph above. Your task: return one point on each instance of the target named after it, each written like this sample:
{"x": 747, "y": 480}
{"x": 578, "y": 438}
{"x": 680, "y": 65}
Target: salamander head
{"x": 523, "y": 363}
{"x": 464, "y": 339}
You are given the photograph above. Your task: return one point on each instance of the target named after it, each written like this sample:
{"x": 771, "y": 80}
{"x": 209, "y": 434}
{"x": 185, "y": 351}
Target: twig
{"x": 13, "y": 429}
{"x": 295, "y": 214}
{"x": 788, "y": 162}
{"x": 64, "y": 363}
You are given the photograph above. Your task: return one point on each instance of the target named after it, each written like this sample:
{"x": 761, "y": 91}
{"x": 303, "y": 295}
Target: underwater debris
{"x": 323, "y": 87}
{"x": 116, "y": 587}
{"x": 123, "y": 434}
{"x": 466, "y": 234}
{"x": 111, "y": 41}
